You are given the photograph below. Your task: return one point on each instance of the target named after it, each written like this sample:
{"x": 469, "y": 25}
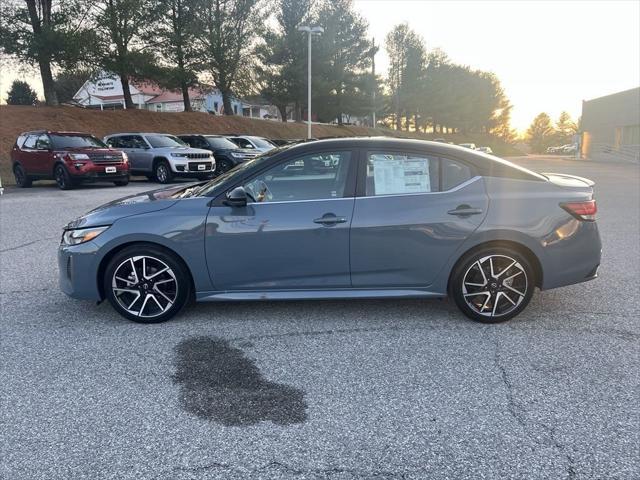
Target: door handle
{"x": 329, "y": 219}
{"x": 465, "y": 211}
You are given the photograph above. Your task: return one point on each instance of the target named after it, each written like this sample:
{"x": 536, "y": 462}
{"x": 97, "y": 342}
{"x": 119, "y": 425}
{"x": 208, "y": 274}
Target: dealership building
{"x": 105, "y": 93}
{"x": 611, "y": 127}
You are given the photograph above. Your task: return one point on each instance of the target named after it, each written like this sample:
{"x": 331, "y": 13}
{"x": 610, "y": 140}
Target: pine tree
{"x": 540, "y": 134}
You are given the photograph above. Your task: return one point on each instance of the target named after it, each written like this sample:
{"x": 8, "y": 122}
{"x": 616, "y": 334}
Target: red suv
{"x": 68, "y": 158}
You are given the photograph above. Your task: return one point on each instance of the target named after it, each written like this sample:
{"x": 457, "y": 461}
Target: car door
{"x": 412, "y": 212}
{"x": 44, "y": 155}
{"x": 294, "y": 231}
{"x": 29, "y": 155}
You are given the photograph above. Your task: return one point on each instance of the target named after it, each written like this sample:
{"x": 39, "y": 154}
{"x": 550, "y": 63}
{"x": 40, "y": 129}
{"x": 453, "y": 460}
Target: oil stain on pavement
{"x": 220, "y": 384}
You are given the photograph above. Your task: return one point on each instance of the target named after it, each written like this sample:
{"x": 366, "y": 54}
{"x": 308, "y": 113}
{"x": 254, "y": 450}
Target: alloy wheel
{"x": 59, "y": 177}
{"x": 494, "y": 285}
{"x": 144, "y": 286}
{"x": 161, "y": 173}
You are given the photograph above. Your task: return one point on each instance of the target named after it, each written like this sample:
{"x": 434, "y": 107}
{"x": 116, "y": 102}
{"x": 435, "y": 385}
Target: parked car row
{"x": 71, "y": 158}
{"x": 472, "y": 146}
{"x": 564, "y": 149}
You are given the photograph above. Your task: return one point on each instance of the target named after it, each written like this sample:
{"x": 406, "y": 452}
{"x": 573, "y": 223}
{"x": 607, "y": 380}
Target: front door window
{"x": 312, "y": 177}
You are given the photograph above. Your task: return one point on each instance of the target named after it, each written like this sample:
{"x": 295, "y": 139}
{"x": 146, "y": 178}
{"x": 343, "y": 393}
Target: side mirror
{"x": 236, "y": 198}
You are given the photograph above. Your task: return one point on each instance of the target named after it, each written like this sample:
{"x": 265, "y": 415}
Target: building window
{"x": 235, "y": 109}
{"x": 158, "y": 107}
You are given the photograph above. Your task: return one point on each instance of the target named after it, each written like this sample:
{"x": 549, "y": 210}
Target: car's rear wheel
{"x": 22, "y": 179}
{"x": 163, "y": 172}
{"x": 147, "y": 284}
{"x": 62, "y": 178}
{"x": 493, "y": 284}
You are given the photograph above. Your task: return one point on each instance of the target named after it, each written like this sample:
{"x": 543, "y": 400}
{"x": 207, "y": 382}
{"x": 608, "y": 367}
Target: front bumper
{"x": 194, "y": 167}
{"x": 78, "y": 271}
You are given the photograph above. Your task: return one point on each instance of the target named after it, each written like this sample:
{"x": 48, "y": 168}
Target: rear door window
{"x": 454, "y": 173}
{"x": 398, "y": 173}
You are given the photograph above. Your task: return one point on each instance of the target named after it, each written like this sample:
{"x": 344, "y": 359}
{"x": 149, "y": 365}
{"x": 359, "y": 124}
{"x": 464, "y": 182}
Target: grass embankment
{"x": 17, "y": 119}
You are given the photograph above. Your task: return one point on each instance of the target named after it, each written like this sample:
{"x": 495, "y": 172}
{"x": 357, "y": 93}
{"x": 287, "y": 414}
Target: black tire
{"x": 179, "y": 291}
{"x": 22, "y": 179}
{"x": 162, "y": 172}
{"x": 502, "y": 300}
{"x": 223, "y": 165}
{"x": 121, "y": 183}
{"x": 62, "y": 177}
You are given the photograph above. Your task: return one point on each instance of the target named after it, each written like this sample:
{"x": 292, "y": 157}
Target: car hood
{"x": 137, "y": 204}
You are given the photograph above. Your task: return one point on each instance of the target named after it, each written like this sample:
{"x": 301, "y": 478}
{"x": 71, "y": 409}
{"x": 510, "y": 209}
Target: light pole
{"x": 311, "y": 31}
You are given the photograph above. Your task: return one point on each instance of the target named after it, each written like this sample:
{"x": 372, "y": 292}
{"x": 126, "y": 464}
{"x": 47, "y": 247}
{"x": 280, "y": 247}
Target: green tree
{"x": 43, "y": 33}
{"x": 21, "y": 93}
{"x": 342, "y": 61}
{"x": 175, "y": 32}
{"x": 540, "y": 134}
{"x": 566, "y": 128}
{"x": 230, "y": 28}
{"x": 68, "y": 82}
{"x": 282, "y": 67}
{"x": 120, "y": 40}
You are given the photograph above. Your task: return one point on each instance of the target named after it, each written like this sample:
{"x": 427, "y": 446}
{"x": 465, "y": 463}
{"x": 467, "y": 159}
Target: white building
{"x": 106, "y": 92}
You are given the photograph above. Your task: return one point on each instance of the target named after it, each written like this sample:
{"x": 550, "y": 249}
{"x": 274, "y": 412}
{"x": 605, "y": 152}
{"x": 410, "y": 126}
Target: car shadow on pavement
{"x": 220, "y": 384}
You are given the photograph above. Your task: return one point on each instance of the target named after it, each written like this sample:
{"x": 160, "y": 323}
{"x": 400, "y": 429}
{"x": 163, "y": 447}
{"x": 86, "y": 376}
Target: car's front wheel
{"x": 147, "y": 284}
{"x": 163, "y": 172}
{"x": 62, "y": 178}
{"x": 493, "y": 284}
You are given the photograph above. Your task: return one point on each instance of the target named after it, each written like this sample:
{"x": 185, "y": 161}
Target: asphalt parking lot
{"x": 319, "y": 389}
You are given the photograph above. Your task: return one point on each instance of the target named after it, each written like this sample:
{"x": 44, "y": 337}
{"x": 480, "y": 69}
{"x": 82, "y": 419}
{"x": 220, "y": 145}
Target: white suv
{"x": 162, "y": 157}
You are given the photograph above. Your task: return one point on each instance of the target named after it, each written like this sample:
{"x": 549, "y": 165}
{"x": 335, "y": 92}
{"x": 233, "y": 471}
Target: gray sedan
{"x": 347, "y": 218}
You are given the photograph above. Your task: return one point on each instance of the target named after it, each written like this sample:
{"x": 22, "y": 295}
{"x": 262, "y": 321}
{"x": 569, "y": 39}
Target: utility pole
{"x": 310, "y": 31}
{"x": 373, "y": 51}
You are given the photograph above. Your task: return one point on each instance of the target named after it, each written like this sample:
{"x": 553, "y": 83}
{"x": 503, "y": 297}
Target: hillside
{"x": 17, "y": 119}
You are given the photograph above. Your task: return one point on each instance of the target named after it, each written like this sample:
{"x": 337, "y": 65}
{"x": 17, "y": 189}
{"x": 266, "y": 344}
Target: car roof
{"x": 139, "y": 133}
{"x": 485, "y": 164}
{"x": 55, "y": 132}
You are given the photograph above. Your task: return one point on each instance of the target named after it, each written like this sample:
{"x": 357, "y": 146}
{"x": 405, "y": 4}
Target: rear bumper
{"x": 571, "y": 258}
{"x": 77, "y": 268}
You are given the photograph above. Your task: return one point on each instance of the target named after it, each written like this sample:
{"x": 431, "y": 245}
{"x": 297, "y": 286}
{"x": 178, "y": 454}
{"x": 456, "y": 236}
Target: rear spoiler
{"x": 568, "y": 179}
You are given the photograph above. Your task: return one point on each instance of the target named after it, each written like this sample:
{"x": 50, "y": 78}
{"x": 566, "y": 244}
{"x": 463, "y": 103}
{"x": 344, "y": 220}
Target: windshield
{"x": 164, "y": 141}
{"x": 221, "y": 142}
{"x": 262, "y": 142}
{"x": 62, "y": 142}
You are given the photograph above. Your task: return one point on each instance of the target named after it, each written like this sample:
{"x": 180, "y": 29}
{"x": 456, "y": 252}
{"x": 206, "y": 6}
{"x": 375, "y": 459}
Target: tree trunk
{"x": 128, "y": 102}
{"x": 48, "y": 85}
{"x": 226, "y": 102}
{"x": 283, "y": 112}
{"x": 185, "y": 97}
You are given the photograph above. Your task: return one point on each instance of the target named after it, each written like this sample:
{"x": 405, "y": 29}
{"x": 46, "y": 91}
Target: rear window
{"x": 62, "y": 142}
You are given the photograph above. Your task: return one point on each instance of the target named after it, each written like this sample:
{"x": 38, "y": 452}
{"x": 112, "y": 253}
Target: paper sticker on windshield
{"x": 400, "y": 174}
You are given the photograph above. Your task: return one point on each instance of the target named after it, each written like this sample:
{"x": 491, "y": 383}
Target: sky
{"x": 549, "y": 55}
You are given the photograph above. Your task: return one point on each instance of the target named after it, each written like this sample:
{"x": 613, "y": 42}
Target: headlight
{"x": 81, "y": 235}
{"x": 125, "y": 157}
{"x": 177, "y": 154}
{"x": 237, "y": 155}
{"x": 79, "y": 156}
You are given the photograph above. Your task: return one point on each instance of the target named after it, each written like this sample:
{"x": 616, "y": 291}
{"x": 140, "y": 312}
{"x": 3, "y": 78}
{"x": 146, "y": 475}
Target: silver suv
{"x": 162, "y": 157}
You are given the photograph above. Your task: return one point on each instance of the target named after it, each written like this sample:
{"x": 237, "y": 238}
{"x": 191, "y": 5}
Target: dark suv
{"x": 69, "y": 158}
{"x": 226, "y": 153}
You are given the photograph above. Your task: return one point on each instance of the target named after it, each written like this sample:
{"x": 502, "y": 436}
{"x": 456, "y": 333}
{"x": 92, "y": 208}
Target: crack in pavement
{"x": 280, "y": 466}
{"x": 10, "y": 249}
{"x": 518, "y": 413}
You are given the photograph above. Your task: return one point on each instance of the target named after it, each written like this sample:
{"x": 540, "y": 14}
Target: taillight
{"x": 582, "y": 210}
